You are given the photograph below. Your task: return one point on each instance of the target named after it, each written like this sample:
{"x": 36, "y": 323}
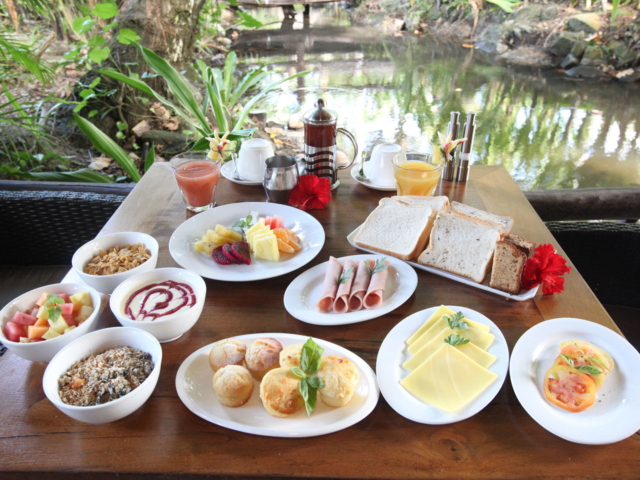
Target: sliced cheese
{"x": 437, "y": 315}
{"x": 448, "y": 380}
{"x": 480, "y": 338}
{"x": 475, "y": 353}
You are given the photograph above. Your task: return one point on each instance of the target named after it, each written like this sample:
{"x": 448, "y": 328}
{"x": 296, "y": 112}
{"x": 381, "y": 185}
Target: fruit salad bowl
{"x": 165, "y": 328}
{"x": 44, "y": 351}
{"x": 108, "y": 283}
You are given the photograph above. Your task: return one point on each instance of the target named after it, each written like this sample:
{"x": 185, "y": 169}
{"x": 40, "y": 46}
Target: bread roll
{"x": 227, "y": 352}
{"x": 340, "y": 377}
{"x": 233, "y": 385}
{"x": 290, "y": 356}
{"x": 262, "y": 356}
{"x": 279, "y": 393}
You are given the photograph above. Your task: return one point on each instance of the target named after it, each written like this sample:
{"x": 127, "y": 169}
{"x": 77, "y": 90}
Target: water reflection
{"x": 548, "y": 131}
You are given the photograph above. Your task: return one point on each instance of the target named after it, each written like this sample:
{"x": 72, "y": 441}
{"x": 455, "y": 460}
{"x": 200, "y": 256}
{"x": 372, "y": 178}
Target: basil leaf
{"x": 599, "y": 362}
{"x": 315, "y": 382}
{"x": 54, "y": 313}
{"x": 248, "y": 220}
{"x": 311, "y": 357}
{"x": 303, "y": 386}
{"x": 53, "y": 300}
{"x": 239, "y": 223}
{"x": 297, "y": 371}
{"x": 567, "y": 359}
{"x": 310, "y": 403}
{"x": 589, "y": 369}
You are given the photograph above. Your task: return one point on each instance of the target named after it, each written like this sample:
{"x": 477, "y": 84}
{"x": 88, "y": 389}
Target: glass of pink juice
{"x": 197, "y": 178}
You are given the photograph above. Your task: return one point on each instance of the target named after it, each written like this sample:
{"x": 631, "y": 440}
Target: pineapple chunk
{"x": 82, "y": 298}
{"x": 217, "y": 239}
{"x": 43, "y": 314}
{"x": 68, "y": 329}
{"x": 256, "y": 226}
{"x": 205, "y": 246}
{"x": 24, "y": 340}
{"x": 228, "y": 233}
{"x": 51, "y": 333}
{"x": 85, "y": 312}
{"x": 60, "y": 324}
{"x": 266, "y": 248}
{"x": 259, "y": 233}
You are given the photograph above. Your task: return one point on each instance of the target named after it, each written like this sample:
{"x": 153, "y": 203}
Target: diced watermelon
{"x": 13, "y": 332}
{"x": 24, "y": 319}
{"x": 278, "y": 222}
{"x": 67, "y": 309}
{"x": 33, "y": 340}
{"x": 267, "y": 221}
{"x": 34, "y": 312}
{"x": 65, "y": 297}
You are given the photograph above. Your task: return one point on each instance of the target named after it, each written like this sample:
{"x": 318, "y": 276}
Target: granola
{"x": 101, "y": 378}
{"x": 118, "y": 259}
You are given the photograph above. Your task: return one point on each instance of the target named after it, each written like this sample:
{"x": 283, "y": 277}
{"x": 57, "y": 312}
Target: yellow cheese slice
{"x": 472, "y": 351}
{"x": 480, "y": 338}
{"x": 448, "y": 380}
{"x": 437, "y": 315}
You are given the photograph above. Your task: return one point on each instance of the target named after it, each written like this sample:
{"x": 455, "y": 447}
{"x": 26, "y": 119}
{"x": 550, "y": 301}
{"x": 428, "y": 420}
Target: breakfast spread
{"x": 118, "y": 259}
{"x": 157, "y": 300}
{"x": 291, "y": 379}
{"x": 351, "y": 287}
{"x": 454, "y": 238}
{"x": 52, "y": 315}
{"x": 577, "y": 374}
{"x": 449, "y": 360}
{"x": 104, "y": 377}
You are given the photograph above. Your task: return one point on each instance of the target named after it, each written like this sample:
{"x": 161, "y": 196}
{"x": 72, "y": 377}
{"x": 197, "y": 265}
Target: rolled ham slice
{"x": 329, "y": 286}
{"x": 360, "y": 285}
{"x": 373, "y": 298}
{"x": 341, "y": 303}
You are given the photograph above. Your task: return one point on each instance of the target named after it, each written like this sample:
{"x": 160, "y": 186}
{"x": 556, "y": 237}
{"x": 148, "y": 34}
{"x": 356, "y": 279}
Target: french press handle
{"x": 352, "y": 139}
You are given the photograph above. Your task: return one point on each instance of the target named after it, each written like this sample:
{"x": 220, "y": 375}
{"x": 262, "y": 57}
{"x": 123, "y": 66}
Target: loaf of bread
{"x": 397, "y": 228}
{"x": 504, "y": 224}
{"x": 437, "y": 203}
{"x": 462, "y": 245}
{"x": 525, "y": 246}
{"x": 508, "y": 264}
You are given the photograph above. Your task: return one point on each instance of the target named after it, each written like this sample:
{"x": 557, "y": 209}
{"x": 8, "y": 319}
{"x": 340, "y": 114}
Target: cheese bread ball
{"x": 262, "y": 356}
{"x": 227, "y": 352}
{"x": 233, "y": 385}
{"x": 340, "y": 377}
{"x": 279, "y": 393}
{"x": 290, "y": 356}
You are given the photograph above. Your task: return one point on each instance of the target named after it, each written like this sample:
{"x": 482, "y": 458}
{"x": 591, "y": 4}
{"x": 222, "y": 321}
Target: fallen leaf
{"x": 624, "y": 73}
{"x": 171, "y": 126}
{"x": 134, "y": 157}
{"x": 273, "y": 131}
{"x": 160, "y": 111}
{"x": 141, "y": 127}
{"x": 277, "y": 141}
{"x": 466, "y": 45}
{"x": 100, "y": 163}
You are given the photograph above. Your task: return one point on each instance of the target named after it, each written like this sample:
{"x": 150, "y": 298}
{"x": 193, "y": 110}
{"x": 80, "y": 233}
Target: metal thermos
{"x": 448, "y": 171}
{"x": 467, "y": 147}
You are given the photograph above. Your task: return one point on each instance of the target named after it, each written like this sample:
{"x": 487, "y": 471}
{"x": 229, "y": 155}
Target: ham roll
{"x": 341, "y": 303}
{"x": 360, "y": 285}
{"x": 373, "y": 298}
{"x": 329, "y": 286}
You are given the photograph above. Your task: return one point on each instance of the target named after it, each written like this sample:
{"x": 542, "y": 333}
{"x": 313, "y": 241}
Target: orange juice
{"x": 198, "y": 181}
{"x": 417, "y": 178}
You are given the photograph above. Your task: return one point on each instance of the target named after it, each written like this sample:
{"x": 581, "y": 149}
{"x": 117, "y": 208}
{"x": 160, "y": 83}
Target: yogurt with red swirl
{"x": 158, "y": 300}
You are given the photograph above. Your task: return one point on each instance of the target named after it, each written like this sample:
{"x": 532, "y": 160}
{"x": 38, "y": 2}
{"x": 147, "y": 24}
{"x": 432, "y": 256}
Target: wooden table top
{"x": 164, "y": 438}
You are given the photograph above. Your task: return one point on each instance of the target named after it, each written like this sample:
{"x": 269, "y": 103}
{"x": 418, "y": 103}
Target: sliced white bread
{"x": 462, "y": 245}
{"x": 397, "y": 229}
{"x": 437, "y": 203}
{"x": 508, "y": 264}
{"x": 505, "y": 223}
{"x": 524, "y": 245}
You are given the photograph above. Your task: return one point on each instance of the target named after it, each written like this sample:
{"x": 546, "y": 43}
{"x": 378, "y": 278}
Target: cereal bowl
{"x": 108, "y": 283}
{"x": 45, "y": 351}
{"x": 166, "y": 328}
{"x": 96, "y": 343}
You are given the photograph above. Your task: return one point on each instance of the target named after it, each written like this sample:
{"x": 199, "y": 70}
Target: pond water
{"x": 549, "y": 131}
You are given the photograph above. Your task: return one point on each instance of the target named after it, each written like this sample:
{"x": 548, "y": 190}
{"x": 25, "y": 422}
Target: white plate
{"x": 181, "y": 244}
{"x": 616, "y": 412}
{"x": 195, "y": 389}
{"x": 355, "y": 170}
{"x": 304, "y": 292}
{"x": 229, "y": 169}
{"x": 393, "y": 354}
{"x": 521, "y": 297}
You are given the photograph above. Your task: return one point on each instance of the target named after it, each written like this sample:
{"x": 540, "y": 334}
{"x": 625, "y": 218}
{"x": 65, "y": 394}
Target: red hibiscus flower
{"x": 311, "y": 193}
{"x": 546, "y": 268}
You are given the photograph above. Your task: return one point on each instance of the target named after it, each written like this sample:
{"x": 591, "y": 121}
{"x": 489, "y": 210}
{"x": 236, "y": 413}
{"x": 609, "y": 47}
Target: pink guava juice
{"x": 198, "y": 181}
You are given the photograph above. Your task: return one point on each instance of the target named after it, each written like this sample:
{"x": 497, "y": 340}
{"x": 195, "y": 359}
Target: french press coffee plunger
{"x": 320, "y": 132}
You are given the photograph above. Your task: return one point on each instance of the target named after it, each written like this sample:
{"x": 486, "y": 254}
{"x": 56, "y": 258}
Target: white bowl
{"x": 98, "y": 342}
{"x": 165, "y": 329}
{"x": 108, "y": 283}
{"x": 45, "y": 351}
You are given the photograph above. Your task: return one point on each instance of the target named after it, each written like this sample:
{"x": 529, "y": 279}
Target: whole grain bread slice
{"x": 508, "y": 264}
{"x": 523, "y": 244}
{"x": 505, "y": 224}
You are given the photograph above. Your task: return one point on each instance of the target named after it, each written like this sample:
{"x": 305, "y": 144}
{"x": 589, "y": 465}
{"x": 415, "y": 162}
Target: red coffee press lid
{"x": 320, "y": 115}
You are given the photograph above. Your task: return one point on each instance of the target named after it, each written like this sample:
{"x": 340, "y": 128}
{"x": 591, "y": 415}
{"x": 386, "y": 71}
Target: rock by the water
{"x": 551, "y": 12}
{"x": 527, "y": 57}
{"x": 631, "y": 78}
{"x": 163, "y": 137}
{"x": 491, "y": 46}
{"x": 593, "y": 56}
{"x": 624, "y": 55}
{"x": 585, "y": 22}
{"x": 562, "y": 45}
{"x": 570, "y": 61}
{"x": 585, "y": 72}
{"x": 578, "y": 49}
{"x": 295, "y": 121}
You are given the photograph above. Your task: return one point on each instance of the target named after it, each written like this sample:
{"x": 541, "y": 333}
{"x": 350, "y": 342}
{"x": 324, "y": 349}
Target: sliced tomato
{"x": 577, "y": 346}
{"x": 568, "y": 388}
{"x": 580, "y": 359}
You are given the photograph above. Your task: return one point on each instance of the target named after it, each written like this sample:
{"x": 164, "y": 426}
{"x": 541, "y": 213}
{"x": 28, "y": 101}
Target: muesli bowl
{"x": 45, "y": 351}
{"x": 96, "y": 343}
{"x": 108, "y": 283}
{"x": 166, "y": 328}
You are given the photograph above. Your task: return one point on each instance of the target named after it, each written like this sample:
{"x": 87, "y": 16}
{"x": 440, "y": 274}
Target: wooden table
{"x": 164, "y": 438}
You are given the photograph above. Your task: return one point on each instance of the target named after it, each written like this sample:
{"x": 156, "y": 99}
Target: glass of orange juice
{"x": 416, "y": 174}
{"x": 197, "y": 178}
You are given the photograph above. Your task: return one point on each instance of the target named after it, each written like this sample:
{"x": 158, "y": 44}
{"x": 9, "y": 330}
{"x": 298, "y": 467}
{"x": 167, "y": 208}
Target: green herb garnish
{"x": 456, "y": 321}
{"x": 588, "y": 369}
{"x": 599, "y": 362}
{"x": 310, "y": 360}
{"x": 53, "y": 310}
{"x": 454, "y": 340}
{"x": 243, "y": 223}
{"x": 379, "y": 266}
{"x": 345, "y": 276}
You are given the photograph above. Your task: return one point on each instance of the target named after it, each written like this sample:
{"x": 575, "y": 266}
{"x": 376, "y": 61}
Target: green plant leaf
{"x": 298, "y": 7}
{"x": 121, "y": 125}
{"x": 98, "y": 55}
{"x": 84, "y": 175}
{"x": 83, "y": 24}
{"x": 227, "y": 76}
{"x": 151, "y": 158}
{"x": 105, "y": 10}
{"x": 297, "y": 371}
{"x": 127, "y": 36}
{"x": 248, "y": 21}
{"x": 588, "y": 369}
{"x": 614, "y": 9}
{"x": 310, "y": 401}
{"x": 311, "y": 357}
{"x": 315, "y": 381}
{"x": 454, "y": 340}
{"x": 251, "y": 79}
{"x": 96, "y": 41}
{"x": 506, "y": 5}
{"x": 215, "y": 99}
{"x": 107, "y": 146}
